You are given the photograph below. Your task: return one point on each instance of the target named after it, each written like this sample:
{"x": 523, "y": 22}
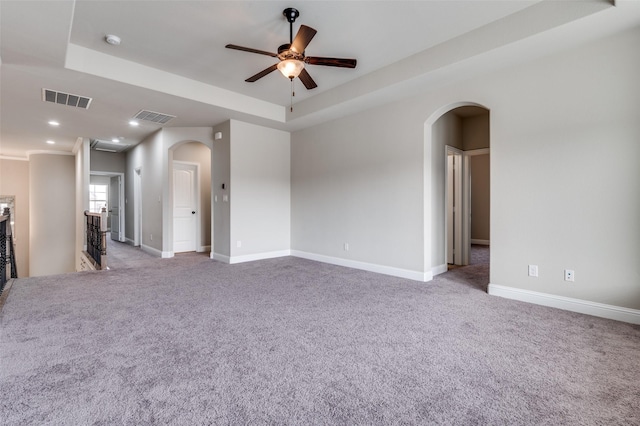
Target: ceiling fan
{"x": 292, "y": 57}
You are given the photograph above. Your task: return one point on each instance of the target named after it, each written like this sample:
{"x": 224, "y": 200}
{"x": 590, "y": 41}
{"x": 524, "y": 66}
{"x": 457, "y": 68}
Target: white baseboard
{"x": 167, "y": 254}
{"x": 440, "y": 269}
{"x": 596, "y": 309}
{"x": 480, "y": 242}
{"x": 371, "y": 267}
{"x": 259, "y": 256}
{"x": 202, "y": 249}
{"x": 130, "y": 241}
{"x": 151, "y": 250}
{"x": 220, "y": 257}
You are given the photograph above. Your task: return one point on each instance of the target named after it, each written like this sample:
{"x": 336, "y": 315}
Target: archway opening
{"x": 457, "y": 187}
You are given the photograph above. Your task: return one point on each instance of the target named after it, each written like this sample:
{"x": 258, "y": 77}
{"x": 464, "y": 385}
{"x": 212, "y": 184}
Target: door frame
{"x": 137, "y": 206}
{"x": 467, "y": 179}
{"x": 198, "y": 238}
{"x": 121, "y": 212}
{"x": 120, "y": 196}
{"x": 460, "y": 236}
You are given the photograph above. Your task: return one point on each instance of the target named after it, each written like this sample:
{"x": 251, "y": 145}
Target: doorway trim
{"x": 198, "y": 198}
{"x": 467, "y": 180}
{"x": 458, "y": 204}
{"x": 434, "y": 267}
{"x": 137, "y": 206}
{"x": 121, "y": 200}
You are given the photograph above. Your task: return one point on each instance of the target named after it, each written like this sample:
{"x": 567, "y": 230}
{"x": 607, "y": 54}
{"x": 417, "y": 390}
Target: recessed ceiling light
{"x": 115, "y": 140}
{"x": 134, "y": 123}
{"x": 113, "y": 40}
{"x": 54, "y": 123}
{"x": 50, "y": 142}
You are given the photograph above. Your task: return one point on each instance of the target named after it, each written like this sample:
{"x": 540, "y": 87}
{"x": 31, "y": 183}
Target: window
{"x": 97, "y": 198}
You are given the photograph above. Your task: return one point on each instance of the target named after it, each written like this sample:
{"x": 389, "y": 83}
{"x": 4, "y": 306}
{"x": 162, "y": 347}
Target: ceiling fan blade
{"x": 262, "y": 73}
{"x": 331, "y": 62}
{"x": 304, "y": 36}
{"x": 248, "y": 49}
{"x": 306, "y": 79}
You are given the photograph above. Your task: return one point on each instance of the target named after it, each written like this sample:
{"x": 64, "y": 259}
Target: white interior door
{"x": 115, "y": 208}
{"x": 185, "y": 204}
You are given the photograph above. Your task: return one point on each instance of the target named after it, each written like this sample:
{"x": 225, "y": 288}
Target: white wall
{"x": 14, "y": 181}
{"x": 259, "y": 196}
{"x": 564, "y": 175}
{"x": 52, "y": 219}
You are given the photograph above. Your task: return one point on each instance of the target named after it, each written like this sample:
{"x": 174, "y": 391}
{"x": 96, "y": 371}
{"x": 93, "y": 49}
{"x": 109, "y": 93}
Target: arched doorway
{"x": 457, "y": 189}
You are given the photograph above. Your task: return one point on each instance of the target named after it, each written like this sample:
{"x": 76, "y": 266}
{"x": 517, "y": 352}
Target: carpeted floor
{"x": 289, "y": 341}
{"x": 122, "y": 255}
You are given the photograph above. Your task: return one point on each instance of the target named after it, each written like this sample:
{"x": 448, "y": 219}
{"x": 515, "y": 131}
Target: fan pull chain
{"x": 292, "y": 95}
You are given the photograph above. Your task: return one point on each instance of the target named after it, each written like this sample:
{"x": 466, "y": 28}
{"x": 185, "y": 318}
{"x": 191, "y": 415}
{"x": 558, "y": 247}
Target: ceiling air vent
{"x": 155, "y": 117}
{"x": 66, "y": 99}
{"x": 107, "y": 146}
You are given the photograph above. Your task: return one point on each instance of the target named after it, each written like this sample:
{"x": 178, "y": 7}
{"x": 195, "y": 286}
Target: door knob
{"x": 193, "y": 212}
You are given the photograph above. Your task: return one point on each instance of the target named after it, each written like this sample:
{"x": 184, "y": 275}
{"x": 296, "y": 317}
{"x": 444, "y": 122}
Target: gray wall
{"x": 82, "y": 178}
{"x": 154, "y": 157}
{"x": 562, "y": 193}
{"x": 14, "y": 181}
{"x": 101, "y": 161}
{"x": 475, "y": 132}
{"x": 52, "y": 219}
{"x": 466, "y": 134}
{"x": 172, "y": 139}
{"x": 359, "y": 180}
{"x": 149, "y": 157}
{"x": 480, "y": 197}
{"x": 221, "y": 174}
{"x": 260, "y": 196}
{"x": 447, "y": 130}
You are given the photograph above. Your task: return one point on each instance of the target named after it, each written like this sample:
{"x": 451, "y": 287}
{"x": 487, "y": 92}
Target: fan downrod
{"x": 291, "y": 14}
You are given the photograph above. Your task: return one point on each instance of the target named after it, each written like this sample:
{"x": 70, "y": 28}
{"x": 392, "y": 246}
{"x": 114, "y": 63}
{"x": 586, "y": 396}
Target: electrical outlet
{"x": 239, "y": 244}
{"x": 151, "y": 237}
{"x": 346, "y": 246}
{"x": 569, "y": 275}
{"x": 533, "y": 270}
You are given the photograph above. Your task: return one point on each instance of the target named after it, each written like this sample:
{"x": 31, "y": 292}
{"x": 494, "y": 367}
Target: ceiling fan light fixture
{"x": 291, "y": 68}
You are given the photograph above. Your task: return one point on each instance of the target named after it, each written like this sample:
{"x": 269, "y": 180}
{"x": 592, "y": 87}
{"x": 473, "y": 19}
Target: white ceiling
{"x": 172, "y": 58}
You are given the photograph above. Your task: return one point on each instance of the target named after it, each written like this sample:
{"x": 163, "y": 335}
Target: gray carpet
{"x": 290, "y": 341}
{"x": 122, "y": 255}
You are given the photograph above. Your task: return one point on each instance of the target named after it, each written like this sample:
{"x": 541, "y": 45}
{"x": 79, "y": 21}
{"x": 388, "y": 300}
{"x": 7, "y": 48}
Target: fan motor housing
{"x": 285, "y": 52}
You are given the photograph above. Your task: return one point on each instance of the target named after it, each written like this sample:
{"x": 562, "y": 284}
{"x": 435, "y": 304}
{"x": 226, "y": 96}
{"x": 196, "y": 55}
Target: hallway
{"x": 123, "y": 255}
